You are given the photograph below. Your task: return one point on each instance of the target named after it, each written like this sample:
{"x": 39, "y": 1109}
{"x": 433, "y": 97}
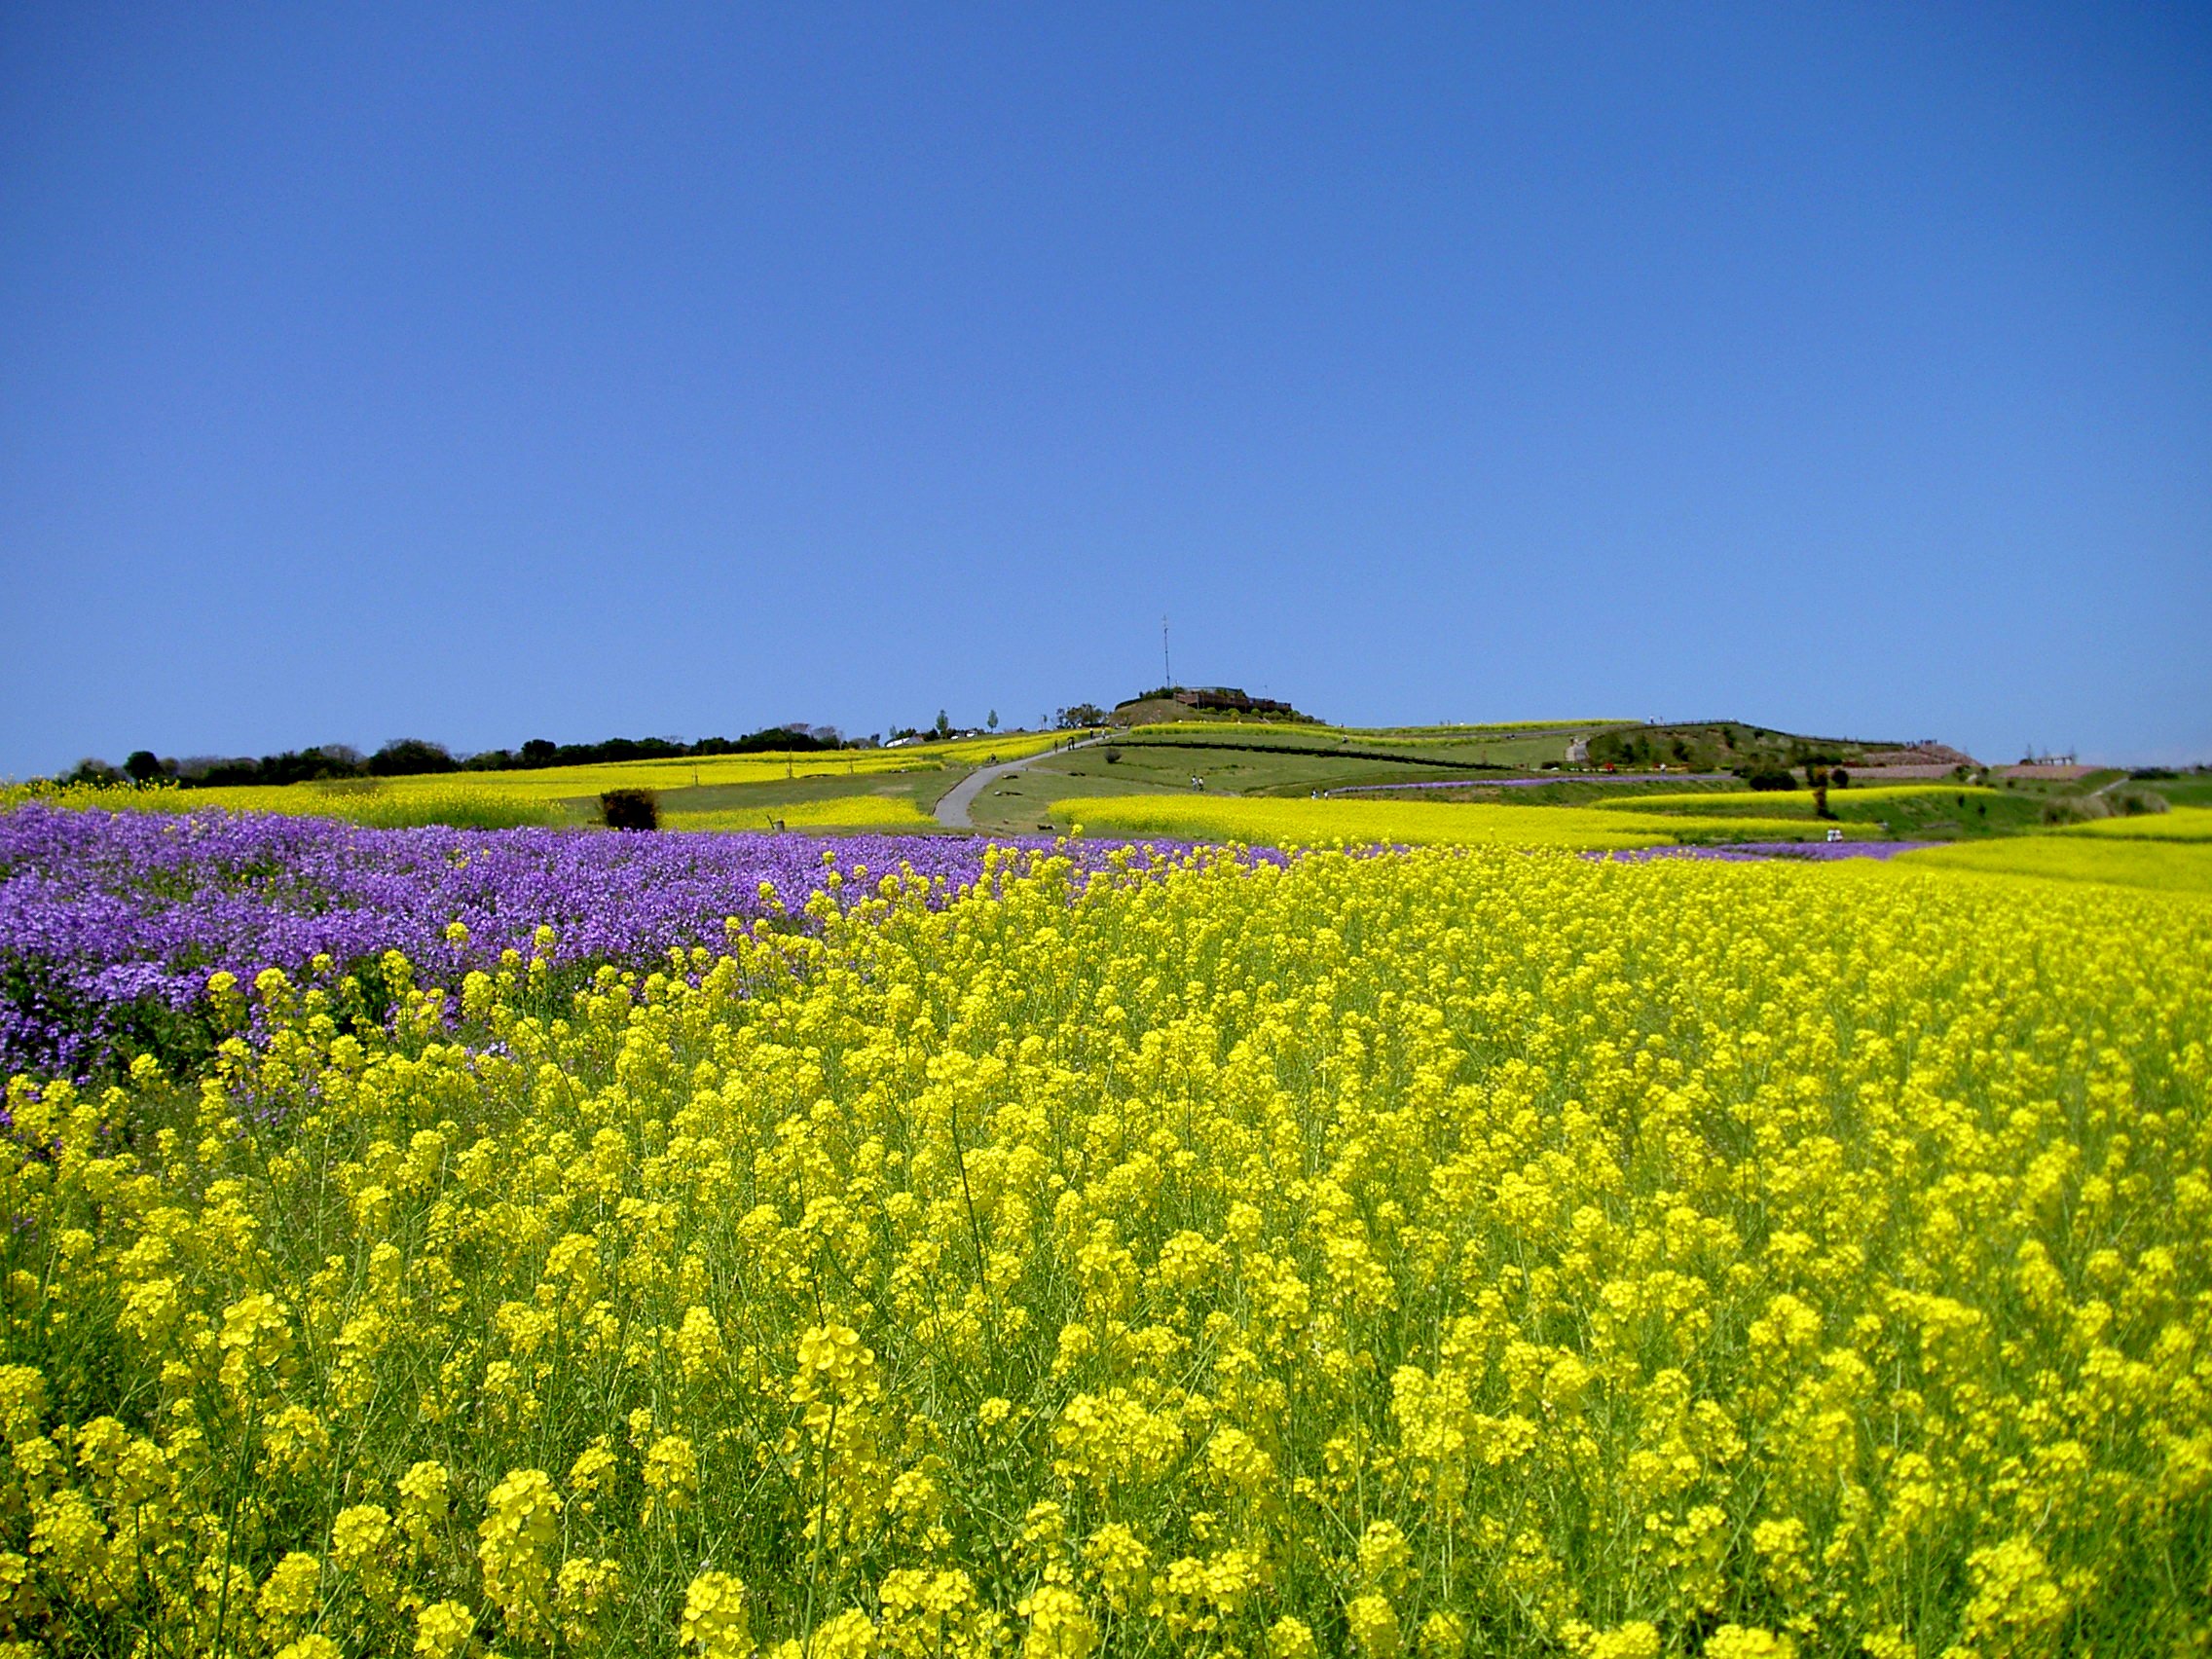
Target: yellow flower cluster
{"x": 832, "y": 812}
{"x": 1861, "y": 801}
{"x": 2120, "y": 861}
{"x": 508, "y": 799}
{"x": 576, "y": 783}
{"x": 1460, "y": 1252}
{"x": 1261, "y": 821}
{"x": 2182, "y": 824}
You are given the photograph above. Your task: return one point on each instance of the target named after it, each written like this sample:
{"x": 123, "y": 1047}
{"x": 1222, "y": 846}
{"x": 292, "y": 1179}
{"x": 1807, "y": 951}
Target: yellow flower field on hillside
{"x": 834, "y": 812}
{"x": 2180, "y": 823}
{"x": 373, "y": 802}
{"x": 1451, "y": 1252}
{"x": 2163, "y": 866}
{"x": 1264, "y": 821}
{"x": 994, "y": 746}
{"x": 507, "y": 799}
{"x": 379, "y": 804}
{"x": 1861, "y": 801}
{"x": 576, "y": 783}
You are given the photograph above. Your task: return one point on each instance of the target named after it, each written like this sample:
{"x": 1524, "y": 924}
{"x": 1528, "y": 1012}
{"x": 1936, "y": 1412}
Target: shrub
{"x": 1772, "y": 778}
{"x": 2076, "y": 809}
{"x": 630, "y": 809}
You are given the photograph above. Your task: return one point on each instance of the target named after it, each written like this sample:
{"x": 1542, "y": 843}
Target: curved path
{"x": 952, "y": 806}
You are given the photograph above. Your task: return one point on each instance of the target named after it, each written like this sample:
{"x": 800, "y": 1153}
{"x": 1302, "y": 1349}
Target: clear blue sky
{"x": 488, "y": 373}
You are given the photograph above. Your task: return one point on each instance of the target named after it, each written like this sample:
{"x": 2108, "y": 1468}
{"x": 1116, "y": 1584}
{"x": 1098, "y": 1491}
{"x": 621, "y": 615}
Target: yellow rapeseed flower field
{"x": 396, "y": 803}
{"x": 2181, "y": 824}
{"x": 1865, "y": 801}
{"x": 994, "y": 746}
{"x": 1259, "y": 821}
{"x": 377, "y": 803}
{"x": 2170, "y": 867}
{"x": 523, "y": 797}
{"x": 1458, "y": 1251}
{"x": 549, "y": 783}
{"x": 833, "y": 812}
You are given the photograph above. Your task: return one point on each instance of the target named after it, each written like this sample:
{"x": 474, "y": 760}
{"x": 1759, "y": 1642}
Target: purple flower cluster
{"x": 106, "y": 915}
{"x": 1753, "y": 852}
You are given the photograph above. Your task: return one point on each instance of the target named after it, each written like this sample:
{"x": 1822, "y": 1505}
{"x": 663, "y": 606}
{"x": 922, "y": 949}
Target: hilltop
{"x": 1229, "y": 704}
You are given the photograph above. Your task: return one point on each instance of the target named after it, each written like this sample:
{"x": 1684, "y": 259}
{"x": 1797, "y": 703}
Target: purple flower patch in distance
{"x": 1751, "y": 852}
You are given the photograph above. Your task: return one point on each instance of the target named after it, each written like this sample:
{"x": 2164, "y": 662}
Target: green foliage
{"x": 630, "y": 809}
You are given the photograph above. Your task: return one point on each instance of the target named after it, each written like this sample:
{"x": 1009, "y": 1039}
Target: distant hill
{"x": 1734, "y": 746}
{"x": 1688, "y": 745}
{"x": 1229, "y": 703}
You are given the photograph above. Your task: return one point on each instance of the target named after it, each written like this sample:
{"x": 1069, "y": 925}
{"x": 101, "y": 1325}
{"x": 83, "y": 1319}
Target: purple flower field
{"x": 1753, "y": 852}
{"x": 106, "y": 916}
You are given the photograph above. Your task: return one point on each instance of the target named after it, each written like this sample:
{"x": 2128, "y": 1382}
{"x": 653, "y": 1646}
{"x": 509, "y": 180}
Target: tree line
{"x": 409, "y": 756}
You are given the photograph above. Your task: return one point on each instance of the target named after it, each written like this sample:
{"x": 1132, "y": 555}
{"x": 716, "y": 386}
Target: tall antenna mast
{"x": 1166, "y": 666}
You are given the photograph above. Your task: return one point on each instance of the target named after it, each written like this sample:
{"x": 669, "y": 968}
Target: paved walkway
{"x": 952, "y": 809}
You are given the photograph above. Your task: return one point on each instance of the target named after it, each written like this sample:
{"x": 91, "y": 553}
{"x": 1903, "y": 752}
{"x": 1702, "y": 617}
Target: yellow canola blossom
{"x": 502, "y": 799}
{"x": 993, "y": 747}
{"x": 1266, "y": 821}
{"x": 2180, "y": 823}
{"x": 573, "y": 783}
{"x": 1861, "y": 801}
{"x": 1451, "y": 1252}
{"x": 2168, "y": 867}
{"x": 835, "y": 812}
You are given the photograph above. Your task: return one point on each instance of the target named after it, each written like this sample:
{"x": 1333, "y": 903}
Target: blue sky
{"x": 490, "y": 373}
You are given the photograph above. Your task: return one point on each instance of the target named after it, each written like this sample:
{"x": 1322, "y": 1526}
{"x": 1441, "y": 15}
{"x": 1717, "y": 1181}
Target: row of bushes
{"x": 412, "y": 757}
{"x": 1816, "y": 777}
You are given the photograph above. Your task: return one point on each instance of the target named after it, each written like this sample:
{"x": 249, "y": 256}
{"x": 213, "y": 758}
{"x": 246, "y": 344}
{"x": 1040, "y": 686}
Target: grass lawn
{"x": 1018, "y": 801}
{"x": 1917, "y": 812}
{"x": 1440, "y": 748}
{"x": 2195, "y": 790}
{"x": 1572, "y": 789}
